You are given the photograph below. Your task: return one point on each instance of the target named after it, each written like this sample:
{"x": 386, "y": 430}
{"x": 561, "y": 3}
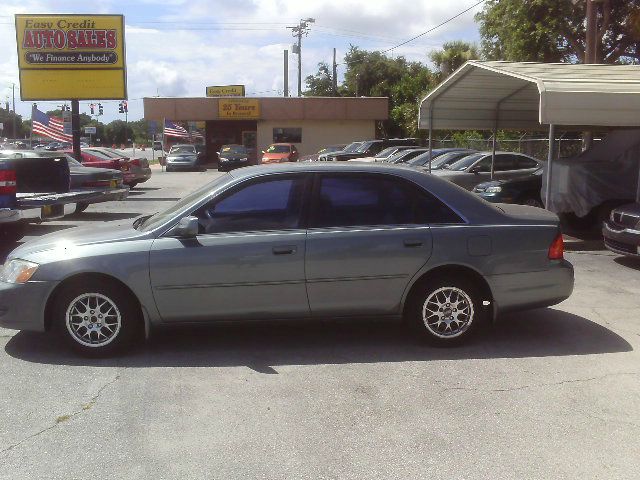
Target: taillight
{"x": 8, "y": 185}
{"x": 556, "y": 250}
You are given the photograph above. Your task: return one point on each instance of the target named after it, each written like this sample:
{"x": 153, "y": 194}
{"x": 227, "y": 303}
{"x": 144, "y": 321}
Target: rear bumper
{"x": 624, "y": 241}
{"x": 522, "y": 291}
{"x": 22, "y": 306}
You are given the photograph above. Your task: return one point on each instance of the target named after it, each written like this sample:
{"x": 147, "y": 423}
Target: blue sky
{"x": 177, "y": 47}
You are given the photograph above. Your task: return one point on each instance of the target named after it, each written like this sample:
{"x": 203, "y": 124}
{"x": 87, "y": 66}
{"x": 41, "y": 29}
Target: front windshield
{"x": 183, "y": 149}
{"x": 165, "y": 216}
{"x": 465, "y": 162}
{"x": 352, "y": 147}
{"x": 364, "y": 147}
{"x": 232, "y": 150}
{"x": 447, "y": 159}
{"x": 386, "y": 152}
{"x": 278, "y": 149}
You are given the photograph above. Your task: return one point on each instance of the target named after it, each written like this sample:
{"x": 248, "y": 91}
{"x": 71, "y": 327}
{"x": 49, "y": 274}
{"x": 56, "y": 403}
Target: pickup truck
{"x": 34, "y": 190}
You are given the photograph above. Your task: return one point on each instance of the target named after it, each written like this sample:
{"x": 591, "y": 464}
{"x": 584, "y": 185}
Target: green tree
{"x": 452, "y": 56}
{"x": 554, "y": 30}
{"x": 320, "y": 84}
{"x": 7, "y": 120}
{"x": 118, "y": 132}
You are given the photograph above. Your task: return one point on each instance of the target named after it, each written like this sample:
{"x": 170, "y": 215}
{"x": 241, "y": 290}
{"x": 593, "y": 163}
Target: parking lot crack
{"x": 543, "y": 385}
{"x": 64, "y": 418}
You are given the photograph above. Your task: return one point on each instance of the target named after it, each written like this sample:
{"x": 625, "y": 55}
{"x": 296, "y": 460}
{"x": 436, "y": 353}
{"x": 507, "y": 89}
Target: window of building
{"x": 287, "y": 135}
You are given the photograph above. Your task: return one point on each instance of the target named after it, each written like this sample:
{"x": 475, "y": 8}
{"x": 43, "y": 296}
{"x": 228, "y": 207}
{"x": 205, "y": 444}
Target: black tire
{"x": 435, "y": 331}
{"x": 127, "y": 325}
{"x": 11, "y": 233}
{"x": 222, "y": 169}
{"x": 133, "y": 185}
{"x": 168, "y": 169}
{"x": 574, "y": 222}
{"x": 81, "y": 207}
{"x": 531, "y": 201}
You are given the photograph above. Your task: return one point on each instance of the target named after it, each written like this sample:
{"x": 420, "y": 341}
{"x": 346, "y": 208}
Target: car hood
{"x": 68, "y": 240}
{"x": 275, "y": 155}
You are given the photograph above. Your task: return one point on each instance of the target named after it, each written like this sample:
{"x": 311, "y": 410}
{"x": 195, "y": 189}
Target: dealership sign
{"x": 226, "y": 91}
{"x": 71, "y": 57}
{"x": 241, "y": 108}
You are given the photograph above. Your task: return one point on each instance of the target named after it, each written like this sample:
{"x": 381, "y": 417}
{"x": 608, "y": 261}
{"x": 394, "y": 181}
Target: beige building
{"x": 309, "y": 122}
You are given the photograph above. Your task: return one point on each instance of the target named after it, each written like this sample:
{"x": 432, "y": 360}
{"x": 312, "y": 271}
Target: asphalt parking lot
{"x": 551, "y": 393}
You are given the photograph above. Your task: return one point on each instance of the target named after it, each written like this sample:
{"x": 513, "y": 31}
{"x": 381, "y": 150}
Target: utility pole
{"x": 334, "y": 75}
{"x": 13, "y": 93}
{"x": 286, "y": 73}
{"x": 298, "y": 31}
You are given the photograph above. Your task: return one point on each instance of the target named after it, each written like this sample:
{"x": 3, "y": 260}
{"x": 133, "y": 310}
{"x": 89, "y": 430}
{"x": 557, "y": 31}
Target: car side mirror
{"x": 187, "y": 227}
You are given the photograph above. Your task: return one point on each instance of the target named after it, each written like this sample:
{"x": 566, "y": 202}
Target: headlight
{"x": 243, "y": 159}
{"x": 493, "y": 189}
{"x": 18, "y": 271}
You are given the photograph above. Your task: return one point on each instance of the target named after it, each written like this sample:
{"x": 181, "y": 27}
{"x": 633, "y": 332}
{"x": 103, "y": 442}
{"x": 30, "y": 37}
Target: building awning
{"x": 527, "y": 95}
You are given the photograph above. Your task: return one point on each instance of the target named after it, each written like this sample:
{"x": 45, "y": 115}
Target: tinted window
{"x": 353, "y": 200}
{"x": 278, "y": 149}
{"x": 267, "y": 205}
{"x": 287, "y": 135}
{"x": 504, "y": 163}
{"x": 524, "y": 162}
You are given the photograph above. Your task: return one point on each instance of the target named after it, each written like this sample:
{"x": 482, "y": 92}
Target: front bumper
{"x": 233, "y": 163}
{"x": 495, "y": 197}
{"x": 22, "y": 306}
{"x": 526, "y": 290}
{"x": 181, "y": 164}
{"x": 625, "y": 241}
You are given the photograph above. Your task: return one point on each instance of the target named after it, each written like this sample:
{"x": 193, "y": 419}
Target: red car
{"x": 279, "y": 153}
{"x": 134, "y": 171}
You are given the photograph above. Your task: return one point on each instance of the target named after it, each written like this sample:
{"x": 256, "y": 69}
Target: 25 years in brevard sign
{"x": 71, "y": 56}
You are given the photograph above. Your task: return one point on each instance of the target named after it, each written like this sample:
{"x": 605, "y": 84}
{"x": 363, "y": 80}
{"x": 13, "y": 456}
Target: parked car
{"x": 91, "y": 185}
{"x": 587, "y": 187}
{"x": 314, "y": 157}
{"x": 233, "y": 156}
{"x": 384, "y": 154}
{"x": 327, "y": 156}
{"x": 524, "y": 190}
{"x": 372, "y": 147}
{"x": 139, "y": 170}
{"x": 476, "y": 168}
{"x": 403, "y": 156}
{"x": 182, "y": 157}
{"x": 621, "y": 231}
{"x": 33, "y": 189}
{"x": 280, "y": 152}
{"x": 440, "y": 157}
{"x": 452, "y": 261}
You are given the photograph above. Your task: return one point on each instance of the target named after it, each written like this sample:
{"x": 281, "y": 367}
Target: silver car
{"x": 475, "y": 168}
{"x": 292, "y": 241}
{"x": 182, "y": 157}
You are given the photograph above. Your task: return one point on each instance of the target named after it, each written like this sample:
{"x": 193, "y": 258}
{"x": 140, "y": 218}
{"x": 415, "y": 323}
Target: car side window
{"x": 525, "y": 162}
{"x": 504, "y": 163}
{"x": 273, "y": 204}
{"x": 484, "y": 165}
{"x": 362, "y": 200}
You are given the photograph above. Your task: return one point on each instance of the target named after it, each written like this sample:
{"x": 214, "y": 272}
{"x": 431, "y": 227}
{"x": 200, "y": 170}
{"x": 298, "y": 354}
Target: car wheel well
{"x": 456, "y": 271}
{"x": 83, "y": 278}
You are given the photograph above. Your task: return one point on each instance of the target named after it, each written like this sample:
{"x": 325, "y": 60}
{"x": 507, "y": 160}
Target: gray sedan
{"x": 292, "y": 241}
{"x": 475, "y": 168}
{"x": 182, "y": 157}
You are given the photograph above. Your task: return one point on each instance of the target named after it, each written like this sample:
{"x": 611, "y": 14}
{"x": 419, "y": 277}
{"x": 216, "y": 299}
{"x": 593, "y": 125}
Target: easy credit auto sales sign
{"x": 71, "y": 57}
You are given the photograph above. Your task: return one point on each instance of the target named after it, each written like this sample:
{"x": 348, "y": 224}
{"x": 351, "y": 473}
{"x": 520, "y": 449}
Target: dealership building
{"x": 309, "y": 122}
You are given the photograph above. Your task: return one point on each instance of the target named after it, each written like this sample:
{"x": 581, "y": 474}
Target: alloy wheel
{"x": 93, "y": 320}
{"x": 447, "y": 312}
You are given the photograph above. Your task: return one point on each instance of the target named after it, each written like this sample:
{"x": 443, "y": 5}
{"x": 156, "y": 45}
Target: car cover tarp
{"x": 606, "y": 171}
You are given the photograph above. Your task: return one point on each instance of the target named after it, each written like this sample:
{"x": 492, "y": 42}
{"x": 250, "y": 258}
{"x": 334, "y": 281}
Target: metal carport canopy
{"x": 527, "y": 95}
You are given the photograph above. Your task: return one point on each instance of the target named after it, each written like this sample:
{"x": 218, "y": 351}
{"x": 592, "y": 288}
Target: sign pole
{"x": 75, "y": 128}
{"x": 164, "y": 123}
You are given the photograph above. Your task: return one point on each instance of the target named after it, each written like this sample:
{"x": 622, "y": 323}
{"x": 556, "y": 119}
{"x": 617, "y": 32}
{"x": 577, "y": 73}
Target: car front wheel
{"x": 96, "y": 318}
{"x": 446, "y": 311}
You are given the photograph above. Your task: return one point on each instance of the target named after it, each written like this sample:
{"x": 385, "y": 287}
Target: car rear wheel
{"x": 133, "y": 185}
{"x": 446, "y": 311}
{"x": 96, "y": 318}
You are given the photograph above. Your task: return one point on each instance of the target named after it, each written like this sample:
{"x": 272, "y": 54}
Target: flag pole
{"x": 164, "y": 158}
{"x": 33, "y": 107}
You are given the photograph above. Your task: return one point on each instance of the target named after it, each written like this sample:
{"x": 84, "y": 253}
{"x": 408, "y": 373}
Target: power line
{"x": 436, "y": 27}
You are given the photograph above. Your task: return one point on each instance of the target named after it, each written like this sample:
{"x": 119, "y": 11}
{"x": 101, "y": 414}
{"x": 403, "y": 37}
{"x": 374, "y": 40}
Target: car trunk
{"x": 41, "y": 175}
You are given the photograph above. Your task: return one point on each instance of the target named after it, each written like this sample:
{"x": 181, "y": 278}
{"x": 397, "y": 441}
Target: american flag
{"x": 51, "y": 127}
{"x": 173, "y": 130}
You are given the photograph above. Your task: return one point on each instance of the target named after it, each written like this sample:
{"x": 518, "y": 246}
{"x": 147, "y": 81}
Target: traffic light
{"x": 120, "y": 108}
{"x": 125, "y": 107}
{"x": 100, "y": 110}
{"x": 92, "y": 108}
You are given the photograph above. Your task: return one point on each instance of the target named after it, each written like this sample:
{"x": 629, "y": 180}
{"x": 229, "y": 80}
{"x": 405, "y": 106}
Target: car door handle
{"x": 284, "y": 250}
{"x": 412, "y": 243}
